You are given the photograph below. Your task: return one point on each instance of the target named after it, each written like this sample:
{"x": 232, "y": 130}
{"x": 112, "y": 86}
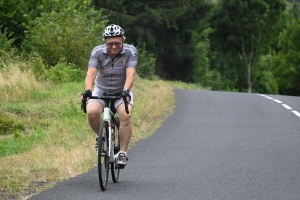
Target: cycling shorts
{"x": 98, "y": 92}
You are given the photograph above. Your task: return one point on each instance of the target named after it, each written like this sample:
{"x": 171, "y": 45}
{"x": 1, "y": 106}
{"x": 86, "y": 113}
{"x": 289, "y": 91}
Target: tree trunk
{"x": 249, "y": 89}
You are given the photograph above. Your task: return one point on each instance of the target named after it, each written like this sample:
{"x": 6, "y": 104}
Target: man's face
{"x": 114, "y": 45}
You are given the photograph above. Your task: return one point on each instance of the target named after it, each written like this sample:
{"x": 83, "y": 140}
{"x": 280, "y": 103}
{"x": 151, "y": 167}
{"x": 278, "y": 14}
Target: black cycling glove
{"x": 87, "y": 94}
{"x": 125, "y": 94}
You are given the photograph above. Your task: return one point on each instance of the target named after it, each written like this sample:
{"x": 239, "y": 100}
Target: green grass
{"x": 24, "y": 122}
{"x": 19, "y": 143}
{"x": 9, "y": 125}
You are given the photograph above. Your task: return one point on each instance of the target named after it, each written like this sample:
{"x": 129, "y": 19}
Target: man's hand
{"x": 126, "y": 96}
{"x": 86, "y": 94}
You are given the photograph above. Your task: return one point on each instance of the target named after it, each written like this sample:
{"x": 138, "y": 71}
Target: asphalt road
{"x": 216, "y": 145}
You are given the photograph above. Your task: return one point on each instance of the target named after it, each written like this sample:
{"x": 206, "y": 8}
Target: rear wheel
{"x": 115, "y": 170}
{"x": 103, "y": 159}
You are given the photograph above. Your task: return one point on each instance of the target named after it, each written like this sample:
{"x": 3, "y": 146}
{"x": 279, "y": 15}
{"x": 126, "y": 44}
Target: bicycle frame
{"x": 107, "y": 117}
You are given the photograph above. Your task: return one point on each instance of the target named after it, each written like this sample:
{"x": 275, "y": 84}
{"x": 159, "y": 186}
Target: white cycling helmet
{"x": 113, "y": 31}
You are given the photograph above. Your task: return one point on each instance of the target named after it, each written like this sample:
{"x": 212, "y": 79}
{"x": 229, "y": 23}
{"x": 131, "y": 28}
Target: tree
{"x": 243, "y": 29}
{"x": 286, "y": 67}
{"x": 265, "y": 81}
{"x": 67, "y": 33}
{"x": 14, "y": 13}
{"x": 165, "y": 26}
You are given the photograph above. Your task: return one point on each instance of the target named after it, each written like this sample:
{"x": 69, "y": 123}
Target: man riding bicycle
{"x": 112, "y": 67}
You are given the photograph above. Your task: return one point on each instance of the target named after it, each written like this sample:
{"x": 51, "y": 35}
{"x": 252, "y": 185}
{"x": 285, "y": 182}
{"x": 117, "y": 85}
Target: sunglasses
{"x": 111, "y": 44}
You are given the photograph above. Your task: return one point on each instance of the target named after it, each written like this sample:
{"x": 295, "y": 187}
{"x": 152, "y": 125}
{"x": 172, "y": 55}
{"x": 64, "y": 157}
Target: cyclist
{"x": 112, "y": 68}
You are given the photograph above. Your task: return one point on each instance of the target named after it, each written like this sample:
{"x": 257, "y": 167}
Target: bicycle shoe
{"x": 122, "y": 160}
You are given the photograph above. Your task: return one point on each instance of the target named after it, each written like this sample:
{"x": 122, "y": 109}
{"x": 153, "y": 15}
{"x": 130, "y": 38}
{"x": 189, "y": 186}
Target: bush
{"x": 36, "y": 65}
{"x": 286, "y": 68}
{"x": 70, "y": 32}
{"x": 213, "y": 80}
{"x": 5, "y": 42}
{"x": 146, "y": 68}
{"x": 264, "y": 81}
{"x": 63, "y": 73}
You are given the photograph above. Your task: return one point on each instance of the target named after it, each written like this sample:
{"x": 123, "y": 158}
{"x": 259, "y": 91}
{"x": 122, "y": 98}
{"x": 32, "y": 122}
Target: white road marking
{"x": 286, "y": 106}
{"x": 277, "y": 101}
{"x": 296, "y": 113}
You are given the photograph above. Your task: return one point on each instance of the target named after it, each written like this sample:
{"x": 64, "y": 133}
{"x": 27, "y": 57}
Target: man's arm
{"x": 90, "y": 78}
{"x": 130, "y": 72}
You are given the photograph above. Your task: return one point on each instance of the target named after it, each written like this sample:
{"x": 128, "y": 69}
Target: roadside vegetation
{"x": 200, "y": 41}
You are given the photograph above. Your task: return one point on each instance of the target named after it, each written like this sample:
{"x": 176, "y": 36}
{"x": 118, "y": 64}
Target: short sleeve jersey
{"x": 111, "y": 75}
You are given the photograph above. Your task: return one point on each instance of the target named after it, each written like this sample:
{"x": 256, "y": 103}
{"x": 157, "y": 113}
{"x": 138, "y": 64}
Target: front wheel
{"x": 103, "y": 159}
{"x": 115, "y": 170}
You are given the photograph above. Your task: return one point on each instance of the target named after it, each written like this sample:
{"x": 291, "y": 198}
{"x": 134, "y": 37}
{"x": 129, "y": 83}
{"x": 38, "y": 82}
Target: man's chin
{"x": 114, "y": 52}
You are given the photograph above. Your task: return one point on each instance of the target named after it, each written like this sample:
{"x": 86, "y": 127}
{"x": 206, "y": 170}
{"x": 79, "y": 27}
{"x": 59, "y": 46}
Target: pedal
{"x": 120, "y": 166}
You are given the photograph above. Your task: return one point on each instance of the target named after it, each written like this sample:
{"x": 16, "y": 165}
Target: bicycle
{"x": 108, "y": 139}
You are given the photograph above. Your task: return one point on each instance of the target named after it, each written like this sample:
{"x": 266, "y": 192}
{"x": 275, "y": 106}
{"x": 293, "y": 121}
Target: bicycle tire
{"x": 115, "y": 170}
{"x": 103, "y": 159}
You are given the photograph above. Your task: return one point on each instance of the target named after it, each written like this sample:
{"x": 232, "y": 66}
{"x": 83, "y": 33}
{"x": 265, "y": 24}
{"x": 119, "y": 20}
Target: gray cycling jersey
{"x": 111, "y": 73}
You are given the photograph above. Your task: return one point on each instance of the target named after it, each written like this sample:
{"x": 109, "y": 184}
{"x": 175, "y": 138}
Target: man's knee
{"x": 124, "y": 117}
{"x": 94, "y": 109}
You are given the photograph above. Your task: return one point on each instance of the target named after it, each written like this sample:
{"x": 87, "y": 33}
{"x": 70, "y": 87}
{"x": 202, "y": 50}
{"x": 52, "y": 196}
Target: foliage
{"x": 37, "y": 66}
{"x": 5, "y": 42}
{"x": 295, "y": 10}
{"x": 264, "y": 82}
{"x": 166, "y": 27}
{"x": 146, "y": 68}
{"x": 63, "y": 73}
{"x": 68, "y": 32}
{"x": 225, "y": 64}
{"x": 224, "y": 44}
{"x": 12, "y": 16}
{"x": 201, "y": 72}
{"x": 293, "y": 1}
{"x": 244, "y": 29}
{"x": 286, "y": 66}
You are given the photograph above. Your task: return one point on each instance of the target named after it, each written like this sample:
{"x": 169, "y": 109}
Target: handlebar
{"x": 106, "y": 98}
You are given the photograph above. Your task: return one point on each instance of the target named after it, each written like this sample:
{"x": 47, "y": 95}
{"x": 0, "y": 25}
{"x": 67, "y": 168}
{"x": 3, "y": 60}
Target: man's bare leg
{"x": 125, "y": 131}
{"x": 94, "y": 109}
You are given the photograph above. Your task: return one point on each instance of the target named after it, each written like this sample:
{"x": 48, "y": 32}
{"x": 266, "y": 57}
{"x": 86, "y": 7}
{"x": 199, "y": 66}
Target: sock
{"x": 123, "y": 152}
